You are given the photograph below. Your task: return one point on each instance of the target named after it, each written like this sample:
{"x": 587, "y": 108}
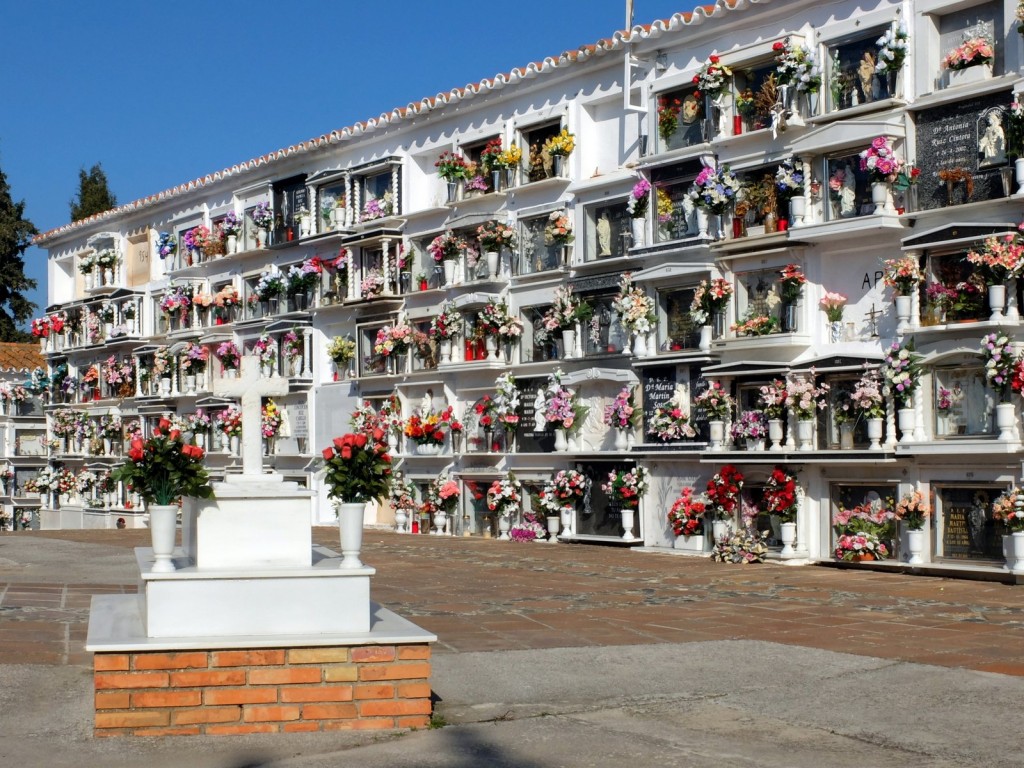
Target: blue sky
{"x": 162, "y": 93}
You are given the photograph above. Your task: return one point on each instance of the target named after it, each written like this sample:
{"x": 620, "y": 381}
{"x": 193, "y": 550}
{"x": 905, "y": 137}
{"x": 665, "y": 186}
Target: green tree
{"x": 94, "y": 196}
{"x": 15, "y": 237}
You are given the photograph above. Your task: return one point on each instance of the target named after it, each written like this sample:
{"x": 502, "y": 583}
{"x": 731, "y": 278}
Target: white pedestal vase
{"x": 1018, "y": 172}
{"x": 915, "y": 546}
{"x": 906, "y": 420}
{"x": 232, "y": 245}
{"x": 788, "y": 537}
{"x": 190, "y": 385}
{"x": 492, "y": 264}
{"x": 440, "y": 522}
{"x": 568, "y": 344}
{"x": 996, "y": 301}
{"x": 491, "y": 345}
{"x": 392, "y": 442}
{"x": 561, "y": 443}
{"x": 621, "y": 440}
{"x": 874, "y": 427}
{"x": 704, "y": 345}
{"x": 627, "y": 524}
{"x": 903, "y": 309}
{"x": 703, "y": 221}
{"x": 1005, "y": 421}
{"x": 234, "y": 442}
{"x": 805, "y": 434}
{"x": 554, "y": 523}
{"x": 716, "y": 435}
{"x": 775, "y": 434}
{"x": 504, "y": 526}
{"x": 446, "y": 350}
{"x": 797, "y": 210}
{"x": 566, "y": 515}
{"x": 640, "y": 345}
{"x": 163, "y": 526}
{"x": 200, "y": 438}
{"x": 638, "y": 228}
{"x": 881, "y": 197}
{"x": 449, "y": 271}
{"x": 261, "y": 237}
{"x": 401, "y": 519}
{"x": 350, "y": 529}
{"x": 1013, "y": 551}
{"x": 719, "y": 529}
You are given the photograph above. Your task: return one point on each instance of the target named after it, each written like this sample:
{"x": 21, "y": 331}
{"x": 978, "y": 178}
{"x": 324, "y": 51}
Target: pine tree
{"x": 15, "y": 237}
{"x": 94, "y": 196}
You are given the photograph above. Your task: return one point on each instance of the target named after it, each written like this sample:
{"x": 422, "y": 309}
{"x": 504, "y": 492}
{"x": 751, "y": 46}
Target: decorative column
{"x": 357, "y": 201}
{"x": 138, "y": 375}
{"x": 811, "y": 215}
{"x": 915, "y": 298}
{"x": 919, "y": 433}
{"x": 314, "y": 211}
{"x": 386, "y": 267}
{"x": 890, "y": 421}
{"x": 176, "y": 376}
{"x": 803, "y": 520}
{"x": 350, "y": 274}
{"x": 349, "y": 200}
{"x": 790, "y": 442}
{"x": 395, "y": 202}
{"x": 307, "y": 351}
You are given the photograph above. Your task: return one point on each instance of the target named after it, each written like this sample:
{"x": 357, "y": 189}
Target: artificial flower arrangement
{"x": 197, "y": 239}
{"x": 751, "y": 425}
{"x": 867, "y": 395}
{"x": 558, "y": 230}
{"x": 175, "y": 300}
{"x": 805, "y": 398}
{"x": 341, "y": 350}
{"x": 365, "y": 418}
{"x": 1005, "y": 510}
{"x": 505, "y": 496}
{"x": 85, "y": 481}
{"x": 860, "y": 546}
{"x": 902, "y": 372}
{"x": 270, "y": 419}
{"x": 263, "y": 215}
{"x": 490, "y": 155}
{"x": 111, "y": 427}
{"x": 623, "y": 413}
{"x": 389, "y": 417}
{"x": 447, "y": 247}
{"x": 912, "y": 509}
{"x": 859, "y": 531}
{"x": 497, "y": 320}
{"x": 634, "y": 307}
{"x": 561, "y": 144}
{"x": 41, "y": 327}
{"x": 715, "y": 401}
{"x": 746, "y": 104}
{"x": 166, "y": 244}
{"x": 789, "y": 182}
{"x": 780, "y": 495}
{"x": 903, "y": 275}
{"x": 666, "y": 208}
{"x": 972, "y": 52}
{"x": 357, "y": 468}
{"x": 791, "y": 283}
{"x": 772, "y": 398}
{"x": 627, "y": 487}
{"x": 291, "y": 345}
{"x": 402, "y": 493}
{"x": 723, "y": 492}
{"x": 669, "y": 110}
{"x": 741, "y": 547}
{"x": 197, "y": 423}
{"x": 759, "y": 325}
{"x": 511, "y": 157}
{"x": 558, "y": 404}
{"x": 566, "y": 310}
{"x": 496, "y": 235}
{"x": 671, "y": 421}
{"x": 506, "y": 402}
{"x": 194, "y": 358}
{"x": 451, "y": 166}
{"x": 564, "y": 491}
{"x": 527, "y": 529}
{"x": 1000, "y": 362}
{"x": 393, "y": 339}
{"x": 108, "y": 258}
{"x": 709, "y": 299}
{"x": 231, "y": 225}
{"x": 892, "y": 49}
{"x": 880, "y": 161}
{"x": 447, "y": 324}
{"x": 164, "y": 468}
{"x": 228, "y": 355}
{"x": 269, "y": 286}
{"x": 303, "y": 277}
{"x": 832, "y": 304}
{"x": 474, "y": 181}
{"x": 445, "y": 492}
{"x": 1000, "y": 258}
{"x": 265, "y": 348}
{"x": 377, "y": 207}
{"x": 429, "y": 428}
{"x": 639, "y": 199}
{"x": 796, "y": 65}
{"x": 372, "y": 284}
{"x": 715, "y": 189}
{"x": 712, "y": 78}
{"x": 687, "y": 514}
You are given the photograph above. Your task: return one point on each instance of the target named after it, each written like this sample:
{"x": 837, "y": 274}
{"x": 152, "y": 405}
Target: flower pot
{"x": 448, "y": 265}
{"x": 452, "y": 188}
{"x": 621, "y": 440}
{"x": 234, "y": 442}
{"x": 640, "y": 345}
{"x": 1013, "y": 550}
{"x": 906, "y": 419}
{"x": 968, "y": 76}
{"x": 232, "y": 245}
{"x": 557, "y": 166}
{"x": 705, "y": 338}
{"x": 805, "y": 434}
{"x": 703, "y": 221}
{"x": 846, "y": 436}
{"x": 1006, "y": 418}
{"x": 775, "y": 434}
{"x": 568, "y": 344}
{"x": 628, "y": 513}
{"x": 1018, "y": 174}
{"x": 915, "y": 546}
{"x": 716, "y": 434}
{"x": 835, "y": 331}
{"x": 401, "y": 519}
{"x": 163, "y": 526}
{"x": 427, "y": 449}
{"x": 720, "y": 529}
{"x": 996, "y": 301}
{"x": 696, "y": 542}
{"x": 880, "y": 196}
{"x": 491, "y": 343}
{"x": 350, "y": 529}
{"x": 440, "y": 522}
{"x": 797, "y": 210}
{"x": 190, "y": 385}
{"x": 561, "y": 444}
{"x": 638, "y": 229}
{"x": 903, "y": 309}
{"x": 446, "y": 350}
{"x": 788, "y": 537}
{"x": 261, "y": 237}
{"x": 566, "y": 514}
{"x": 504, "y": 526}
{"x": 492, "y": 264}
{"x": 755, "y": 443}
{"x": 789, "y": 318}
{"x": 554, "y": 523}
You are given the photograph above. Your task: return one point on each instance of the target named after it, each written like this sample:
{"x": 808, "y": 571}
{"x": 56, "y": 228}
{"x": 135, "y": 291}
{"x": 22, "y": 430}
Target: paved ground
{"x": 573, "y": 655}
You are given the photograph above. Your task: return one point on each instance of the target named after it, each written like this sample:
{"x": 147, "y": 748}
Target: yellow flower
{"x": 664, "y": 206}
{"x": 561, "y": 144}
{"x": 511, "y": 156}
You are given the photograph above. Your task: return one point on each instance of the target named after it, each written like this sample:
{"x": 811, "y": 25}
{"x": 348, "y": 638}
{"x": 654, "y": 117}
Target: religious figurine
{"x": 285, "y": 430}
{"x": 426, "y": 403}
{"x": 848, "y": 194}
{"x": 957, "y": 422}
{"x": 866, "y": 76}
{"x": 690, "y": 127}
{"x": 604, "y": 235}
{"x": 992, "y": 144}
{"x": 539, "y": 403}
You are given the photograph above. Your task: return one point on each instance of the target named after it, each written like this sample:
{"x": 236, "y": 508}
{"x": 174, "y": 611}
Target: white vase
{"x": 233, "y": 444}
{"x": 903, "y": 309}
{"x": 567, "y": 514}
{"x": 915, "y": 546}
{"x": 491, "y": 345}
{"x": 835, "y": 331}
{"x": 716, "y": 434}
{"x": 621, "y": 440}
{"x": 261, "y": 237}
{"x": 190, "y": 385}
{"x": 427, "y": 449}
{"x": 446, "y": 350}
{"x": 554, "y": 523}
{"x": 200, "y": 438}
{"x": 1005, "y": 421}
{"x": 1018, "y": 172}
{"x": 628, "y": 513}
{"x": 1013, "y": 551}
{"x": 165, "y": 386}
{"x": 350, "y": 529}
{"x": 969, "y": 76}
{"x": 163, "y": 526}
{"x": 87, "y": 278}
{"x": 719, "y": 529}
{"x": 703, "y": 221}
{"x": 449, "y": 271}
{"x": 232, "y": 246}
{"x": 704, "y": 345}
{"x": 568, "y": 344}
{"x": 880, "y": 196}
{"x": 401, "y": 518}
{"x": 996, "y": 301}
{"x": 805, "y": 434}
{"x": 561, "y": 443}
{"x": 788, "y": 536}
{"x": 846, "y": 436}
{"x": 440, "y": 522}
{"x": 906, "y": 419}
{"x": 775, "y": 434}
{"x": 492, "y": 264}
{"x": 638, "y": 228}
{"x": 797, "y": 210}
{"x": 504, "y": 526}
{"x": 755, "y": 444}
{"x": 305, "y": 226}
{"x": 640, "y": 345}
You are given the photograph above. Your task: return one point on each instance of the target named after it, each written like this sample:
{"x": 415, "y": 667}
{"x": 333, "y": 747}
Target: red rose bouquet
{"x": 687, "y": 514}
{"x": 724, "y": 491}
{"x": 164, "y": 468}
{"x": 780, "y": 495}
{"x": 358, "y": 467}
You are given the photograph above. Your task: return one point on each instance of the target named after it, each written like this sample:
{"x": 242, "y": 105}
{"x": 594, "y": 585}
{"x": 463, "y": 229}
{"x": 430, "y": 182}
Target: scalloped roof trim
{"x": 639, "y": 32}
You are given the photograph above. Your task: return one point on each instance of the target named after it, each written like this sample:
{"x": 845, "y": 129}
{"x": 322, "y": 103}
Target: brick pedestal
{"x": 265, "y": 690}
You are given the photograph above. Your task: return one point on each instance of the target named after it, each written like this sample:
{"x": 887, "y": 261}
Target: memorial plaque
{"x": 658, "y": 386}
{"x": 950, "y": 137}
{"x": 528, "y": 439}
{"x": 968, "y": 530}
{"x": 599, "y": 515}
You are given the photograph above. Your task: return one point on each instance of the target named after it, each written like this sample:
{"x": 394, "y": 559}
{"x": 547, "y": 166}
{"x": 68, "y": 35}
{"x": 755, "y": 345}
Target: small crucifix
{"x": 872, "y": 317}
{"x": 251, "y": 388}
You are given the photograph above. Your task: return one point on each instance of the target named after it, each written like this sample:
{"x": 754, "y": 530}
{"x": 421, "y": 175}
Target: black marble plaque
{"x": 659, "y": 384}
{"x": 968, "y": 530}
{"x": 599, "y": 515}
{"x": 948, "y": 137}
{"x": 528, "y": 440}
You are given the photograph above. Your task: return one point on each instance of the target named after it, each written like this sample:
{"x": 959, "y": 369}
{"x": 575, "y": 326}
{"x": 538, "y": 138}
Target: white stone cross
{"x": 251, "y": 387}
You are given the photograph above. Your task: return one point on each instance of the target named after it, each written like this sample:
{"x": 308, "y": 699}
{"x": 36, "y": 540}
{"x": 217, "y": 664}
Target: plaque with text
{"x": 528, "y": 438}
{"x": 599, "y": 515}
{"x": 658, "y": 385}
{"x": 968, "y": 530}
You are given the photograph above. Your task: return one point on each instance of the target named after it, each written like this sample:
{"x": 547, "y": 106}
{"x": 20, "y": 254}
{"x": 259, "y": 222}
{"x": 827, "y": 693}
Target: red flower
{"x": 339, "y": 442}
{"x": 713, "y": 59}
{"x": 164, "y": 424}
{"x": 779, "y": 46}
{"x": 175, "y": 434}
{"x": 328, "y": 454}
{"x": 360, "y": 441}
{"x": 346, "y": 452}
{"x": 135, "y": 454}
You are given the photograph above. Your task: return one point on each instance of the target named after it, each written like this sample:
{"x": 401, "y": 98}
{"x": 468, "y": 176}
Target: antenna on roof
{"x": 629, "y": 14}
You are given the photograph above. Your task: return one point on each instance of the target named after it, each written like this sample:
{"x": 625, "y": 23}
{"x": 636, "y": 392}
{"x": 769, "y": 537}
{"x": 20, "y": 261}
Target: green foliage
{"x": 358, "y": 467}
{"x": 15, "y": 237}
{"x": 164, "y": 468}
{"x": 94, "y": 196}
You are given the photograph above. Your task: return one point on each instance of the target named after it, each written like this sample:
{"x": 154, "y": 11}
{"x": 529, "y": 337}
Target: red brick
{"x": 247, "y": 658}
{"x": 374, "y": 692}
{"x": 111, "y": 662}
{"x": 394, "y": 708}
{"x": 414, "y": 691}
{"x": 113, "y": 700}
{"x": 270, "y": 714}
{"x": 328, "y": 711}
{"x": 317, "y": 655}
{"x": 203, "y": 679}
{"x": 301, "y": 727}
{"x": 207, "y": 715}
{"x": 193, "y": 660}
{"x": 413, "y": 652}
{"x": 284, "y": 676}
{"x": 317, "y": 693}
{"x": 191, "y": 730}
{"x": 167, "y": 699}
{"x": 111, "y": 680}
{"x": 374, "y": 653}
{"x": 413, "y": 721}
{"x": 394, "y": 672}
{"x": 132, "y": 719}
{"x": 378, "y": 724}
{"x": 234, "y": 730}
{"x": 241, "y": 696}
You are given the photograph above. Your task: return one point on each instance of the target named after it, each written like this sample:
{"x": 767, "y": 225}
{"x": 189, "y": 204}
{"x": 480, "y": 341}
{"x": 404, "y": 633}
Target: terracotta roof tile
{"x": 20, "y": 357}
